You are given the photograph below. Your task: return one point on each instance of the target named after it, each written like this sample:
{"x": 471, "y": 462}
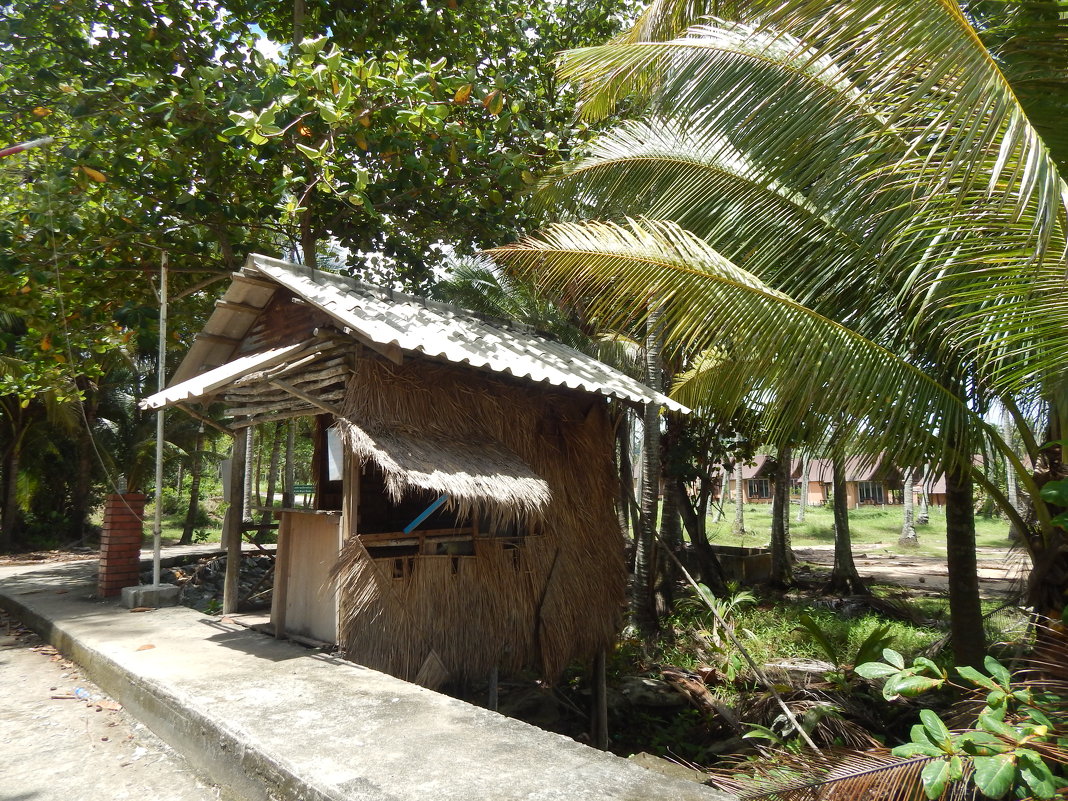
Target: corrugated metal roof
{"x": 445, "y": 332}
{"x": 207, "y": 383}
{"x": 394, "y": 320}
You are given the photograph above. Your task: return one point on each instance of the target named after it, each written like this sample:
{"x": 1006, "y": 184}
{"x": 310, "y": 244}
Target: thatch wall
{"x": 538, "y": 602}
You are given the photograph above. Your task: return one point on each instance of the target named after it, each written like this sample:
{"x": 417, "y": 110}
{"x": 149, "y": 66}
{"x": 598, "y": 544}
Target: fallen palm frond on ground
{"x": 834, "y": 776}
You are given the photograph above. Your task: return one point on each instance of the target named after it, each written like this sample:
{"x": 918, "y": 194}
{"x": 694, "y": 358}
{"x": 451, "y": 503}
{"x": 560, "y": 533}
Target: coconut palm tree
{"x": 861, "y": 214}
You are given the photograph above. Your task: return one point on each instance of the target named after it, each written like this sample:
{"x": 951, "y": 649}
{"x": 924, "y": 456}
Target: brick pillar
{"x": 120, "y": 543}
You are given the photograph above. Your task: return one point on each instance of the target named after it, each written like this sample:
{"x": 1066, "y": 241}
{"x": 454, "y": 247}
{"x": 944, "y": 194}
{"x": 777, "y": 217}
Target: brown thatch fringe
{"x": 474, "y": 475}
{"x": 537, "y": 601}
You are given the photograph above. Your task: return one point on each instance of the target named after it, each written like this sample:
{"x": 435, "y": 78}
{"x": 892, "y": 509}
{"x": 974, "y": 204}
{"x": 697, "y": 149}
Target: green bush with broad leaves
{"x": 1017, "y": 746}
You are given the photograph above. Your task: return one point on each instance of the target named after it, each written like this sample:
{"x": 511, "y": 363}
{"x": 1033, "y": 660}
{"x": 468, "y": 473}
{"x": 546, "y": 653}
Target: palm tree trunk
{"x": 8, "y": 513}
{"x": 845, "y": 579}
{"x": 710, "y": 570}
{"x": 908, "y": 525}
{"x": 965, "y": 611}
{"x": 1011, "y": 488}
{"x": 671, "y": 538}
{"x": 642, "y": 609}
{"x": 724, "y": 492}
{"x": 923, "y": 514}
{"x": 738, "y": 529}
{"x": 806, "y": 470}
{"x": 628, "y": 521}
{"x": 9, "y": 498}
{"x": 195, "y": 470}
{"x": 781, "y": 561}
{"x": 247, "y": 455}
{"x": 298, "y": 22}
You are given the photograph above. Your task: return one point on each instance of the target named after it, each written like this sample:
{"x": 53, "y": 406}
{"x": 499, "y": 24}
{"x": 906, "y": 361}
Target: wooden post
{"x": 599, "y": 699}
{"x": 281, "y": 576}
{"x": 232, "y": 524}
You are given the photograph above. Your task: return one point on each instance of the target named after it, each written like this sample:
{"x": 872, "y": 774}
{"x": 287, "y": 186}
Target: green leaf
{"x": 956, "y": 769}
{"x": 327, "y": 112}
{"x": 310, "y": 152}
{"x": 875, "y": 670}
{"x": 996, "y": 698}
{"x": 909, "y": 686}
{"x": 992, "y": 723}
{"x": 929, "y": 665}
{"x": 313, "y": 45}
{"x": 936, "y": 729}
{"x": 935, "y": 776}
{"x": 819, "y": 637}
{"x": 999, "y": 673}
{"x": 1036, "y": 773}
{"x": 894, "y": 658}
{"x": 909, "y": 750}
{"x": 873, "y": 644}
{"x": 1039, "y": 718}
{"x": 974, "y": 676}
{"x": 994, "y": 774}
{"x": 1055, "y": 492}
{"x": 982, "y": 743}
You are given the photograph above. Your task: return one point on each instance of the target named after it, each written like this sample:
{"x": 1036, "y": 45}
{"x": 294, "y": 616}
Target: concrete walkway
{"x": 272, "y": 720}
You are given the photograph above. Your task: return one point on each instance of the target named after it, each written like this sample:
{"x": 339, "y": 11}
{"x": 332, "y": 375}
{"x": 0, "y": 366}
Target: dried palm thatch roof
{"x": 469, "y": 473}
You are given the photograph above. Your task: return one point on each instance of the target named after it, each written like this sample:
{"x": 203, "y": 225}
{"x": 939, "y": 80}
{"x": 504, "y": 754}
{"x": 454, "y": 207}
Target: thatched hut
{"x": 464, "y": 516}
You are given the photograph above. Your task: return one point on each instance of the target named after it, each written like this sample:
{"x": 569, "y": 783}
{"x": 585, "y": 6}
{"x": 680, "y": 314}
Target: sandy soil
{"x": 999, "y": 571}
{"x": 63, "y": 738}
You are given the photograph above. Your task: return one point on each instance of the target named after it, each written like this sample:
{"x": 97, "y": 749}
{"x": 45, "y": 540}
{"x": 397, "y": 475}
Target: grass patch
{"x": 869, "y": 527}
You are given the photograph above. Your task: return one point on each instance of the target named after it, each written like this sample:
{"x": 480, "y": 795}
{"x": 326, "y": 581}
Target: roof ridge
{"x": 393, "y": 295}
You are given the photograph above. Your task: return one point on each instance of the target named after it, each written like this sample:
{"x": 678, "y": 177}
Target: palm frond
{"x": 665, "y": 19}
{"x": 1029, "y": 41}
{"x": 659, "y": 169}
{"x": 793, "y": 361}
{"x": 835, "y": 775}
{"x": 941, "y": 212}
{"x": 915, "y": 65}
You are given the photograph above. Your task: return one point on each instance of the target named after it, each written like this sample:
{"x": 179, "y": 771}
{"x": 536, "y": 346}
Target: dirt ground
{"x": 63, "y": 738}
{"x": 1000, "y": 571}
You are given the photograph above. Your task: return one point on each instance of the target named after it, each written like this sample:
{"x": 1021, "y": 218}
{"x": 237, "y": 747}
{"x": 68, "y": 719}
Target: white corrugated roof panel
{"x": 207, "y": 383}
{"x": 444, "y": 332}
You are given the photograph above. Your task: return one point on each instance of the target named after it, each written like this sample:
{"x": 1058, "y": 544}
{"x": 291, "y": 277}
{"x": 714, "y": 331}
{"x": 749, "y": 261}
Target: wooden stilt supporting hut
{"x": 463, "y": 519}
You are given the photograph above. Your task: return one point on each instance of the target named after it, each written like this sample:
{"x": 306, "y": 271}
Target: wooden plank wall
{"x": 311, "y": 551}
{"x": 282, "y": 322}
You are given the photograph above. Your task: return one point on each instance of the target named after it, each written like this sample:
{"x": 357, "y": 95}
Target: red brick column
{"x": 120, "y": 543}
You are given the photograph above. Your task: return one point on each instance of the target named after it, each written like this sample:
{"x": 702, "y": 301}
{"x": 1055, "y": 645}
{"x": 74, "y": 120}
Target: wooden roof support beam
{"x": 289, "y": 414}
{"x": 204, "y": 419}
{"x": 326, "y": 407}
{"x": 263, "y": 283}
{"x": 392, "y": 351}
{"x": 243, "y": 308}
{"x": 216, "y": 338}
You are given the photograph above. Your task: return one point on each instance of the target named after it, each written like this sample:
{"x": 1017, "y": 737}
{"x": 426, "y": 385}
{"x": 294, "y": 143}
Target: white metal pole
{"x": 157, "y": 527}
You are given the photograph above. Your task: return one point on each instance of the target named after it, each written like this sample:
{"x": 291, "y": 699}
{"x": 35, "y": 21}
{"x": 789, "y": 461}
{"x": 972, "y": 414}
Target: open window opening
{"x": 422, "y": 524}
{"x": 419, "y": 524}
